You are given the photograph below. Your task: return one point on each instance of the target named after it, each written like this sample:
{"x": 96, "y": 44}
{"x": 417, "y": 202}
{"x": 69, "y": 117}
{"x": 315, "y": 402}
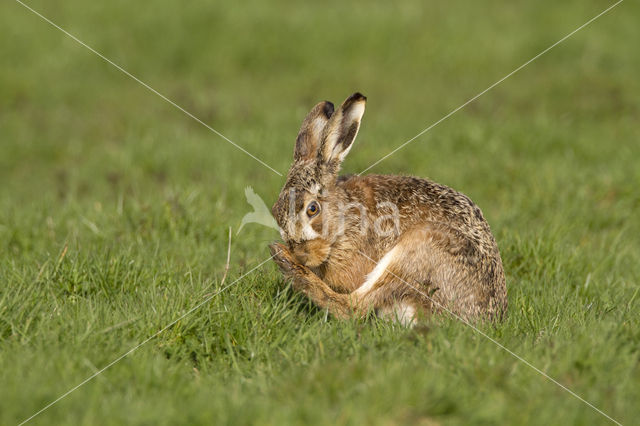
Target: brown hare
{"x": 391, "y": 245}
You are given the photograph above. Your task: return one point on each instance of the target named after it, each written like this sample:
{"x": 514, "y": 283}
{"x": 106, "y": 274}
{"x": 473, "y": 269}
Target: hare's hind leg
{"x": 424, "y": 271}
{"x": 308, "y": 283}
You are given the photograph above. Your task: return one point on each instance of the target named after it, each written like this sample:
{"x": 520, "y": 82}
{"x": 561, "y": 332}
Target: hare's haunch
{"x": 395, "y": 245}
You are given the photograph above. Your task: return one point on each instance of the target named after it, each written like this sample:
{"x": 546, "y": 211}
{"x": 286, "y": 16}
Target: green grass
{"x": 115, "y": 206}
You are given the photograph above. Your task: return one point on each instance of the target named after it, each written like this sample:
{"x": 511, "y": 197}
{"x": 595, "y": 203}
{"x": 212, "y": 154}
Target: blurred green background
{"x": 115, "y": 208}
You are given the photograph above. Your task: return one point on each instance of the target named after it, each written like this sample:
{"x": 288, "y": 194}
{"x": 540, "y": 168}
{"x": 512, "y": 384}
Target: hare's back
{"x": 415, "y": 198}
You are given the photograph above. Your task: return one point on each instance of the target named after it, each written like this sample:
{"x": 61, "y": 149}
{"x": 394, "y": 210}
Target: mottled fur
{"x": 441, "y": 253}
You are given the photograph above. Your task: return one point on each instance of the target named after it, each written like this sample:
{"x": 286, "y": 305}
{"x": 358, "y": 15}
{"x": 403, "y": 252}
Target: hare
{"x": 395, "y": 246}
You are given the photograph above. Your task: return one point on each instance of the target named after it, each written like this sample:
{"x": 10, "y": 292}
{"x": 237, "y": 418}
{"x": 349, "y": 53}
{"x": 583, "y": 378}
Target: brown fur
{"x": 445, "y": 254}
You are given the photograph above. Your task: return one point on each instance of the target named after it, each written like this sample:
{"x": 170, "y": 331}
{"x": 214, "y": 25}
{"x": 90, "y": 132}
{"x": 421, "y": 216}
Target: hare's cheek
{"x": 317, "y": 223}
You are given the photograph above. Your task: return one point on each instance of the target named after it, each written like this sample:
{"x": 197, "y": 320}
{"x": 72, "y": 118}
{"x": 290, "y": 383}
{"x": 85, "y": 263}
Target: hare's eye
{"x": 313, "y": 209}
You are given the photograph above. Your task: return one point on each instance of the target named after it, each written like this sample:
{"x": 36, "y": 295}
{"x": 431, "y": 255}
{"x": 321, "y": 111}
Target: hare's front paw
{"x": 283, "y": 258}
{"x": 299, "y": 275}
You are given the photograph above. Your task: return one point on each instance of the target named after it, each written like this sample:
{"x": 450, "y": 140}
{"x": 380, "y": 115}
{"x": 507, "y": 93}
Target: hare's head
{"x": 308, "y": 204}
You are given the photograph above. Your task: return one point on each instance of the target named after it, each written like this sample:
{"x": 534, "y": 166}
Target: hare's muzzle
{"x": 312, "y": 253}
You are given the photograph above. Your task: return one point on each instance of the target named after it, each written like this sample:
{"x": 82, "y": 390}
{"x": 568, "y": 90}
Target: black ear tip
{"x": 357, "y": 97}
{"x": 328, "y": 109}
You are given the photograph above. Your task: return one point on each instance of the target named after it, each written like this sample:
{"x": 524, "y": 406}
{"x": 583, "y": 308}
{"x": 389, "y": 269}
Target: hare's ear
{"x": 341, "y": 131}
{"x": 308, "y": 140}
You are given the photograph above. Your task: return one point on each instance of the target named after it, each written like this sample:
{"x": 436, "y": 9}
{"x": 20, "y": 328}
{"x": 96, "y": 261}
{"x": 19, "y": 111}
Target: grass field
{"x": 115, "y": 208}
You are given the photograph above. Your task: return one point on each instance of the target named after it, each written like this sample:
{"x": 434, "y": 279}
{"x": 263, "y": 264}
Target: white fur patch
{"x": 318, "y": 125}
{"x": 404, "y": 314}
{"x": 357, "y": 111}
{"x": 308, "y": 233}
{"x": 377, "y": 272}
{"x": 355, "y": 115}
